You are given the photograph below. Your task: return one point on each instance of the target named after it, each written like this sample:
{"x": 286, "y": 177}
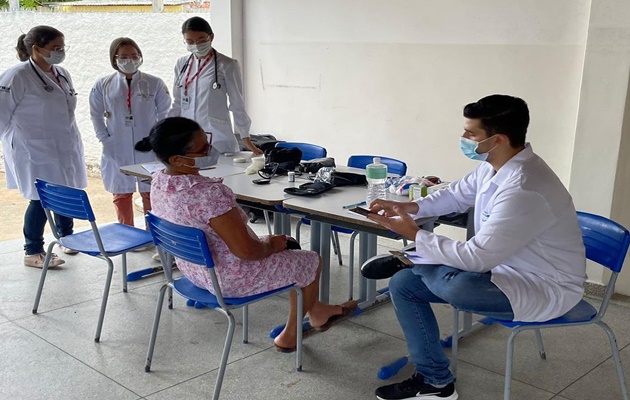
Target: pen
{"x": 355, "y": 205}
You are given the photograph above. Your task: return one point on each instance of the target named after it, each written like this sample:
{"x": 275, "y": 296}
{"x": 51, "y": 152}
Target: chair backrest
{"x": 394, "y": 166}
{"x": 309, "y": 151}
{"x": 65, "y": 200}
{"x": 183, "y": 242}
{"x": 606, "y": 241}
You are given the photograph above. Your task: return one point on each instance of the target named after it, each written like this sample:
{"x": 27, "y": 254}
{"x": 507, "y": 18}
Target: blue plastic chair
{"x": 606, "y": 243}
{"x": 190, "y": 244}
{"x": 103, "y": 242}
{"x": 394, "y": 166}
{"x": 309, "y": 151}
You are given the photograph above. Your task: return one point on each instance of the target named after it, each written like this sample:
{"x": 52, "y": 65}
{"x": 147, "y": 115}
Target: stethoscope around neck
{"x": 215, "y": 85}
{"x": 47, "y": 86}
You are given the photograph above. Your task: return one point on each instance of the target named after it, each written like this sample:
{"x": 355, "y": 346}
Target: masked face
{"x": 54, "y": 56}
{"x": 469, "y": 148}
{"x": 202, "y": 162}
{"x": 200, "y": 49}
{"x": 128, "y": 66}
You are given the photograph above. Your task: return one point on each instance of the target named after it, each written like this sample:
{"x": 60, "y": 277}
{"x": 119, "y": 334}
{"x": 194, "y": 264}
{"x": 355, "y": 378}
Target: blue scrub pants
{"x": 413, "y": 289}
{"x": 34, "y": 224}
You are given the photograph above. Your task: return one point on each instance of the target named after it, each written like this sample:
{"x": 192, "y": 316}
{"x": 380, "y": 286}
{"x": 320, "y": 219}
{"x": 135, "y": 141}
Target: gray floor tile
{"x": 189, "y": 340}
{"x": 37, "y": 370}
{"x": 601, "y": 383}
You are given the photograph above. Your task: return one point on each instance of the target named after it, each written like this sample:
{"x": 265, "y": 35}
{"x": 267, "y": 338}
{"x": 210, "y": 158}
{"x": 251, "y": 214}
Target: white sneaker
{"x": 144, "y": 248}
{"x": 37, "y": 260}
{"x": 68, "y": 251}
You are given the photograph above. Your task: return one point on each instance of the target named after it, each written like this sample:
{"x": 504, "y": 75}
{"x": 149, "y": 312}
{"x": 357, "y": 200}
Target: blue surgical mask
{"x": 202, "y": 162}
{"x": 469, "y": 148}
{"x": 56, "y": 57}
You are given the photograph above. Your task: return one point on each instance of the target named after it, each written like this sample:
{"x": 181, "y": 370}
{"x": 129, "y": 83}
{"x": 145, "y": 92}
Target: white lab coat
{"x": 150, "y": 103}
{"x": 39, "y": 133}
{"x": 526, "y": 234}
{"x": 209, "y": 107}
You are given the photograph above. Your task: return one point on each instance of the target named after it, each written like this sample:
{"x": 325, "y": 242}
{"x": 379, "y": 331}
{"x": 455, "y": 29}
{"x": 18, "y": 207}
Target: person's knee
{"x": 400, "y": 280}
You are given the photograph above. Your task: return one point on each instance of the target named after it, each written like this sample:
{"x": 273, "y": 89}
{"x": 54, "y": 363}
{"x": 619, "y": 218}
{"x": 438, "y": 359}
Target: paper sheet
{"x": 417, "y": 259}
{"x": 153, "y": 167}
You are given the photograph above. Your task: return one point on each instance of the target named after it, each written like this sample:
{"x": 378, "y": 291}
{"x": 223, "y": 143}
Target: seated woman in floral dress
{"x": 245, "y": 264}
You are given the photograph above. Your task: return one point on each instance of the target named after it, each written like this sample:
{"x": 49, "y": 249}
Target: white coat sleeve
{"x": 176, "y": 109}
{"x": 459, "y": 196}
{"x": 162, "y": 100}
{"x": 516, "y": 218}
{"x": 234, "y": 88}
{"x": 12, "y": 89}
{"x": 97, "y": 111}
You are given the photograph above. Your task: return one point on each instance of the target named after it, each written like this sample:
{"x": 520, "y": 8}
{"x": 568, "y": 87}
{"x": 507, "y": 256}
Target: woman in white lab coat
{"x": 39, "y": 133}
{"x": 204, "y": 81}
{"x": 124, "y": 106}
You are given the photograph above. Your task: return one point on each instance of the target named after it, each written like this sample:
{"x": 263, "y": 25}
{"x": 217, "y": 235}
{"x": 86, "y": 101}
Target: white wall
{"x": 89, "y": 36}
{"x": 391, "y": 77}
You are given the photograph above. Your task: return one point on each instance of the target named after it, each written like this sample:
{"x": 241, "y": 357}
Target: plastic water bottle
{"x": 376, "y": 174}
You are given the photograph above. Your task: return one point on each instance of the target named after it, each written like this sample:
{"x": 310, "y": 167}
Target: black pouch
{"x": 312, "y": 166}
{"x": 279, "y": 161}
{"x": 309, "y": 189}
{"x": 347, "y": 179}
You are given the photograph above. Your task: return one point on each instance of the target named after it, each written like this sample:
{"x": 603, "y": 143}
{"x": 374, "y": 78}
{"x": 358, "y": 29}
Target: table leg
{"x": 324, "y": 281}
{"x": 367, "y": 249}
{"x": 281, "y": 223}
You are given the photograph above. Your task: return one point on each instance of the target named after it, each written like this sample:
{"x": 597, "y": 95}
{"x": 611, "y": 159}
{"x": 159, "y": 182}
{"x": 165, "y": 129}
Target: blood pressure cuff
{"x": 347, "y": 179}
{"x": 312, "y": 166}
{"x": 279, "y": 161}
{"x": 309, "y": 189}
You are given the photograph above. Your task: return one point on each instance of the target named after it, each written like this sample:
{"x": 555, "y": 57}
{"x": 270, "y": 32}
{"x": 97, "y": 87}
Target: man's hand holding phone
{"x": 394, "y": 216}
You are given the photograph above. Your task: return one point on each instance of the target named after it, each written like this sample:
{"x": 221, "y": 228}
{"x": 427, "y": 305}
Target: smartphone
{"x": 261, "y": 181}
{"x": 360, "y": 211}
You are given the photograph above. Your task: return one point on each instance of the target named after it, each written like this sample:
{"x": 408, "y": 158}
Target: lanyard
{"x": 201, "y": 67}
{"x": 129, "y": 97}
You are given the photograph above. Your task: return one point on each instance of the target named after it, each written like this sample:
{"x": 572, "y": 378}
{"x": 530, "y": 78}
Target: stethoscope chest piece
{"x": 216, "y": 85}
{"x": 48, "y": 88}
{"x": 107, "y": 114}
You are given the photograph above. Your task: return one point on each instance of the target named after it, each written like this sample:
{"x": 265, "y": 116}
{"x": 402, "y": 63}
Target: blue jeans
{"x": 34, "y": 224}
{"x": 412, "y": 290}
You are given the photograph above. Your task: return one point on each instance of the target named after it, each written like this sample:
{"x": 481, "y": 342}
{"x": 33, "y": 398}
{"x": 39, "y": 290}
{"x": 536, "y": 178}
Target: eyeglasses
{"x": 134, "y": 57}
{"x": 206, "y": 148}
{"x": 201, "y": 41}
{"x": 62, "y": 49}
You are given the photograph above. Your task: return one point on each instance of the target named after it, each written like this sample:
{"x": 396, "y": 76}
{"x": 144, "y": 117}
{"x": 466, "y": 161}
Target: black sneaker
{"x": 415, "y": 388}
{"x": 382, "y": 267}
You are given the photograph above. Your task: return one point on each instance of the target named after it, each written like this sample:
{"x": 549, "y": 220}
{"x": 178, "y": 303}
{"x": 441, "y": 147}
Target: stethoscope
{"x": 216, "y": 85}
{"x": 145, "y": 95}
{"x": 47, "y": 86}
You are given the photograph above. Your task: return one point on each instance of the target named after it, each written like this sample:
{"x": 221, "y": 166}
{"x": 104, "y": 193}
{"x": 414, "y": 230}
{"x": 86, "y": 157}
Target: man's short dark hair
{"x": 500, "y": 113}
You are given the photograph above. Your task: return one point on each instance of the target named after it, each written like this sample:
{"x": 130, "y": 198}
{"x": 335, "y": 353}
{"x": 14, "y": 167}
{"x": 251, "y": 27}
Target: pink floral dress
{"x": 193, "y": 200}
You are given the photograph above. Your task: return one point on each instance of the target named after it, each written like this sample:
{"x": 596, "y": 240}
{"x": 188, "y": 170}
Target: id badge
{"x": 185, "y": 103}
{"x": 129, "y": 121}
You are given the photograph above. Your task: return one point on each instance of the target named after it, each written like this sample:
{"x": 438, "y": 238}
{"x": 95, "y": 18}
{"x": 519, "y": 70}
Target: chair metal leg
{"x": 508, "y": 363}
{"x": 337, "y": 246}
{"x": 351, "y": 266}
{"x": 124, "y": 271}
{"x": 541, "y": 346}
{"x": 108, "y": 283}
{"x": 156, "y": 324}
{"x": 245, "y": 323}
{"x": 225, "y": 354}
{"x": 455, "y": 343}
{"x": 616, "y": 358}
{"x": 42, "y": 278}
{"x": 300, "y": 307}
{"x": 268, "y": 222}
{"x": 297, "y": 230}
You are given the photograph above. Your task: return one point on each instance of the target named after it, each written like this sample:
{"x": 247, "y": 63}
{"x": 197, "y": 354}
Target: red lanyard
{"x": 201, "y": 67}
{"x": 129, "y": 96}
{"x": 54, "y": 73}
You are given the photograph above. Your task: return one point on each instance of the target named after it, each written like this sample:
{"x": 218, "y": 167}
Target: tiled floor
{"x": 52, "y": 355}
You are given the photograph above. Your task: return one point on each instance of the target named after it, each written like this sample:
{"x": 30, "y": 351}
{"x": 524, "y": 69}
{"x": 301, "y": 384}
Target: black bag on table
{"x": 312, "y": 166}
{"x": 280, "y": 160}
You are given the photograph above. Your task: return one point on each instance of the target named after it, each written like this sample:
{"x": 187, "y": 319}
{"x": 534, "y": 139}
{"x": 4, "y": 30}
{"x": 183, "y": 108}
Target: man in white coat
{"x": 204, "y": 81}
{"x": 39, "y": 133}
{"x": 124, "y": 107}
{"x": 526, "y": 261}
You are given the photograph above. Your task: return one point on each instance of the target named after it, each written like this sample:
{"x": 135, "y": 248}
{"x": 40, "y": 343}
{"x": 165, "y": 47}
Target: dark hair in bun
{"x": 170, "y": 137}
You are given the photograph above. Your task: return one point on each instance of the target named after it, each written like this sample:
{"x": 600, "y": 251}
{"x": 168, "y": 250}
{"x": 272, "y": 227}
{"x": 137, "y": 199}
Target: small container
{"x": 291, "y": 176}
